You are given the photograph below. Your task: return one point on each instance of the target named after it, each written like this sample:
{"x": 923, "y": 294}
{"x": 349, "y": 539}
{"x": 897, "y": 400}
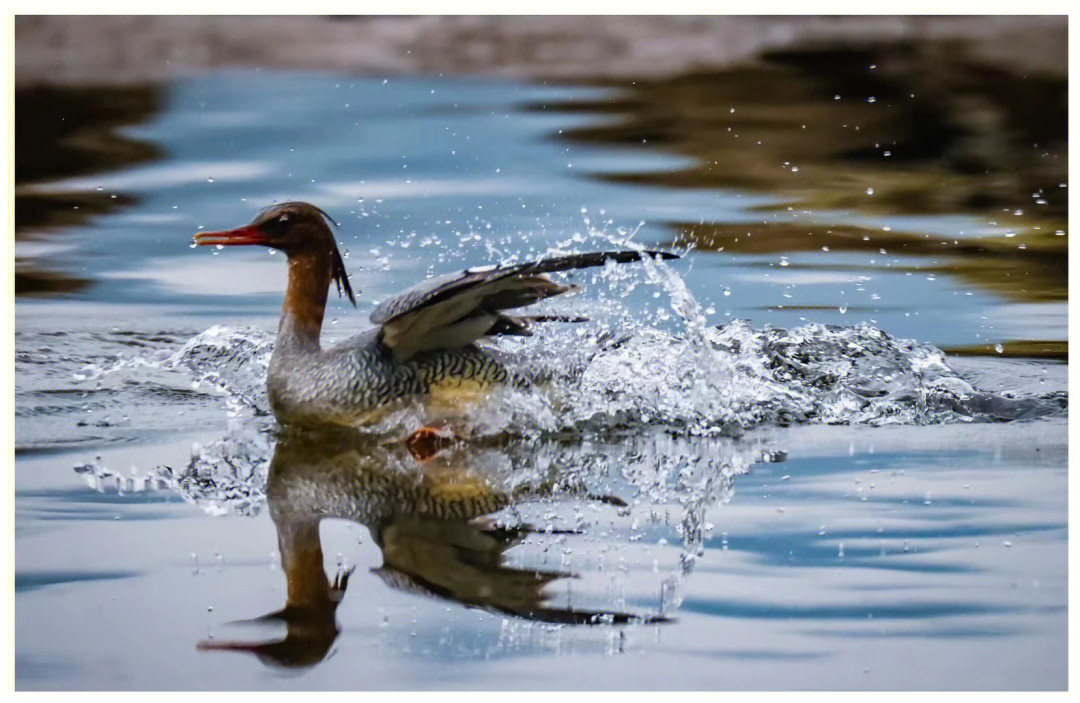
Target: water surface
{"x": 776, "y": 503}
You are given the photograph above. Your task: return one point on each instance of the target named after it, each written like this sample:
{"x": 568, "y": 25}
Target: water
{"x": 762, "y": 443}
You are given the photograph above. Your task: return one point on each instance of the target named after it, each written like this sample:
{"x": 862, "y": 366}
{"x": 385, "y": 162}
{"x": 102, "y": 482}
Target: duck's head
{"x": 295, "y": 228}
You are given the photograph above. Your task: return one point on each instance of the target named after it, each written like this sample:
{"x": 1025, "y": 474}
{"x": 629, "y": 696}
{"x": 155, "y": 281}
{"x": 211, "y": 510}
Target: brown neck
{"x": 302, "y": 560}
{"x": 305, "y": 299}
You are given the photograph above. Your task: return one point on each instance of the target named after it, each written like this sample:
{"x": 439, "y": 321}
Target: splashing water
{"x": 623, "y": 371}
{"x": 222, "y": 359}
{"x": 227, "y": 476}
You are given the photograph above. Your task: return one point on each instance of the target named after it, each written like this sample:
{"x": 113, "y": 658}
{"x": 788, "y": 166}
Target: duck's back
{"x": 358, "y": 381}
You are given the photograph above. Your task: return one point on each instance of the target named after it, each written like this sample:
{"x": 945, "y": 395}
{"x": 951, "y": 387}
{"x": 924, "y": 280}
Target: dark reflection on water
{"x": 66, "y": 131}
{"x": 897, "y": 129}
{"x": 427, "y": 516}
{"x": 62, "y": 132}
{"x": 960, "y": 136}
{"x": 1039, "y": 272}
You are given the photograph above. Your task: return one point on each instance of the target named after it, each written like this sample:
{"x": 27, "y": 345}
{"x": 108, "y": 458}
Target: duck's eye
{"x": 276, "y": 227}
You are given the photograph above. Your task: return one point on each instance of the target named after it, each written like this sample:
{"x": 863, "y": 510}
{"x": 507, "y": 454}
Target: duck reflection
{"x": 429, "y": 514}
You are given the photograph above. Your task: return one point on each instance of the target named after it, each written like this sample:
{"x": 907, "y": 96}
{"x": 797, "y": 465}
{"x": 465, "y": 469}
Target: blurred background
{"x": 944, "y": 136}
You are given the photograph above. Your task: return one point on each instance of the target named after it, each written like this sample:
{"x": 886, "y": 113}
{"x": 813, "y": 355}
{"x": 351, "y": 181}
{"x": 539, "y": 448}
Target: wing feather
{"x": 455, "y": 310}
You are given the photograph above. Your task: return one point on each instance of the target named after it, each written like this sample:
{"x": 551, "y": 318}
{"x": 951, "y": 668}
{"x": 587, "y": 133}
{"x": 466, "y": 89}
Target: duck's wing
{"x": 452, "y": 311}
{"x": 466, "y": 563}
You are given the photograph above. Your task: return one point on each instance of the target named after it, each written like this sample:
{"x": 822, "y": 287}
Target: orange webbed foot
{"x": 428, "y": 442}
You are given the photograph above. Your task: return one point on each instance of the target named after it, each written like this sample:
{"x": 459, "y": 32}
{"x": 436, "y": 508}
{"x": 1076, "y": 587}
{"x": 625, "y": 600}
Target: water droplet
{"x": 869, "y": 191}
{"x": 1000, "y": 349}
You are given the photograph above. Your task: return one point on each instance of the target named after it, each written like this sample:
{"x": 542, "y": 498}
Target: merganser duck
{"x": 423, "y": 346}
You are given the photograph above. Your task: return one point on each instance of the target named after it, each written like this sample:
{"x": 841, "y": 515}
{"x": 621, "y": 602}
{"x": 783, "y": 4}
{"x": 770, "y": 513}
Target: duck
{"x": 426, "y": 342}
